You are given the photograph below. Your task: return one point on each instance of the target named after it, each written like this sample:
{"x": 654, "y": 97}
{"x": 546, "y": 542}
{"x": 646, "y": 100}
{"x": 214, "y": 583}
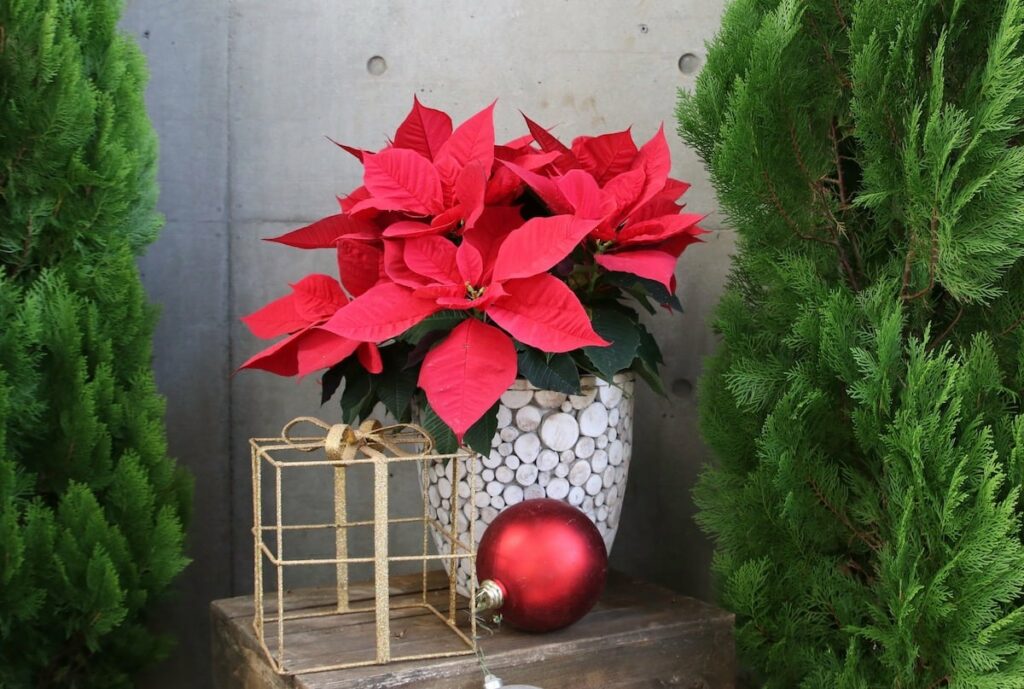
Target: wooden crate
{"x": 639, "y": 635}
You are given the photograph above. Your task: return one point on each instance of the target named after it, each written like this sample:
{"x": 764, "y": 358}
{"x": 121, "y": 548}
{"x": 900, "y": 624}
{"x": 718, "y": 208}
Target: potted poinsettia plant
{"x": 493, "y": 290}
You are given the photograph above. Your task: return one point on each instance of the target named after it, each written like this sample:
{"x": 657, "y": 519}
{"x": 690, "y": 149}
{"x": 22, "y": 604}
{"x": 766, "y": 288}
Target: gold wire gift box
{"x": 344, "y": 448}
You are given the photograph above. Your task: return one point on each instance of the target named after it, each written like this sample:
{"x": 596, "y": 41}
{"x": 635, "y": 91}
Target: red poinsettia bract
{"x": 314, "y": 299}
{"x": 628, "y": 190}
{"x": 446, "y": 220}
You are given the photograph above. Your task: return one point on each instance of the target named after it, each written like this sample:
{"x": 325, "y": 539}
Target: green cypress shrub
{"x": 864, "y": 407}
{"x": 91, "y": 507}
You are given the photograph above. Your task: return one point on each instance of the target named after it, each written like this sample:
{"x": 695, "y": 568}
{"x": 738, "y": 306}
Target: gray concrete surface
{"x": 186, "y": 273}
{"x": 242, "y": 94}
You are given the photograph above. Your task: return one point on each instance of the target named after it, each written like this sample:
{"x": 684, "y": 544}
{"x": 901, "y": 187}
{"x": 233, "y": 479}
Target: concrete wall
{"x": 242, "y": 94}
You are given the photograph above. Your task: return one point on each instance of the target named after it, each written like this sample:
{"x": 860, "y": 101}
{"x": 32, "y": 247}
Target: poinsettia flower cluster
{"x": 482, "y": 259}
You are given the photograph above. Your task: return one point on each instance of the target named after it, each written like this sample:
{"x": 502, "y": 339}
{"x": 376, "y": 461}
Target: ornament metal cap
{"x": 490, "y": 596}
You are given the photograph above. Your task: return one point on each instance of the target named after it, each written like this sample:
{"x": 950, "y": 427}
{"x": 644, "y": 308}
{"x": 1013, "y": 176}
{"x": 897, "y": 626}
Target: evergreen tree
{"x": 865, "y": 404}
{"x": 91, "y": 507}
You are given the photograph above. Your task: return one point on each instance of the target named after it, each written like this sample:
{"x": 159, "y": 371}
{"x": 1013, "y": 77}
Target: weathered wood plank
{"x": 361, "y": 592}
{"x": 638, "y": 635}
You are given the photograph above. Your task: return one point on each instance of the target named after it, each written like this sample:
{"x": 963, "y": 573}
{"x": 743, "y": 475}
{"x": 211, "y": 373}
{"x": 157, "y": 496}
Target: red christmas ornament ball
{"x": 548, "y": 561}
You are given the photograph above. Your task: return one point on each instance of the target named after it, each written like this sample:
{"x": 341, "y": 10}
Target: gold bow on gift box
{"x": 342, "y": 441}
{"x": 345, "y": 446}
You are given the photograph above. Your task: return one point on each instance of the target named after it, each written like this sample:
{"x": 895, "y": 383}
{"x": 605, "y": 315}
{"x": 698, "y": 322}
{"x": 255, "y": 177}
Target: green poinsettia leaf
{"x": 648, "y": 349}
{"x": 635, "y": 284}
{"x": 478, "y": 437}
{"x": 357, "y": 399}
{"x": 444, "y": 440}
{"x": 651, "y": 377}
{"x": 396, "y": 384}
{"x": 648, "y": 360}
{"x": 623, "y": 332}
{"x": 442, "y": 320}
{"x": 643, "y": 299}
{"x": 556, "y": 372}
{"x": 330, "y": 381}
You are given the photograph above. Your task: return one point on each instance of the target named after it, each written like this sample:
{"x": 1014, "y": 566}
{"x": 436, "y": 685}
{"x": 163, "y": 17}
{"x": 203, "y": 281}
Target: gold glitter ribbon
{"x": 369, "y": 443}
{"x": 341, "y": 441}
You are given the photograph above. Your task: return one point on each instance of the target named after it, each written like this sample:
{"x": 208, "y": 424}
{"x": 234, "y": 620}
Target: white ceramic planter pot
{"x": 573, "y": 448}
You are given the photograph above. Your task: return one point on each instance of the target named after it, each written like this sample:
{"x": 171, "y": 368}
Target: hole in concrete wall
{"x": 376, "y": 65}
{"x": 682, "y": 387}
{"x": 644, "y": 28}
{"x": 689, "y": 63}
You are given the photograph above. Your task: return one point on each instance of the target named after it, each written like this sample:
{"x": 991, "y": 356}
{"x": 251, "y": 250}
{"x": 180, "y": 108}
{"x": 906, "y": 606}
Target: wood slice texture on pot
{"x": 574, "y": 448}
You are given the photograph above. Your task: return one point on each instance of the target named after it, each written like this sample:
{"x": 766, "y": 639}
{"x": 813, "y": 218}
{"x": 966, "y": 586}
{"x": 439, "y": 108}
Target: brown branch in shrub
{"x": 778, "y": 204}
{"x": 854, "y": 569}
{"x": 868, "y": 539}
{"x": 836, "y": 230}
{"x": 945, "y": 333}
{"x": 933, "y": 260}
{"x": 844, "y": 202}
{"x": 844, "y": 195}
{"x": 844, "y": 82}
{"x": 1013, "y": 326}
{"x": 795, "y": 143}
{"x": 839, "y": 13}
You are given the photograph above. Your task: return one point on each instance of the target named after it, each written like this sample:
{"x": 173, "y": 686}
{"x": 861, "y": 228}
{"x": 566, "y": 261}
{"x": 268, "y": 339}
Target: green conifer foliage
{"x": 865, "y": 404}
{"x": 91, "y": 508}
